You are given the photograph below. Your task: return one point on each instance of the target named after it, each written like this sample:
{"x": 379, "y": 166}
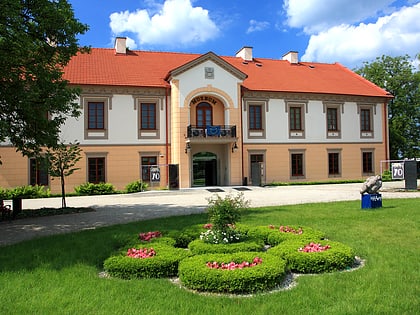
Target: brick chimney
{"x": 245, "y": 53}
{"x": 121, "y": 45}
{"x": 292, "y": 57}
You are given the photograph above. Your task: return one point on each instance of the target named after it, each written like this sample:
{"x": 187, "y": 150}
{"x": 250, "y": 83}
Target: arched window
{"x": 204, "y": 115}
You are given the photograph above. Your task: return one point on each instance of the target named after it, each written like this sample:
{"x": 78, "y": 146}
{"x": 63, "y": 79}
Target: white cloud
{"x": 256, "y": 26}
{"x": 395, "y": 34}
{"x": 318, "y": 15}
{"x": 176, "y": 23}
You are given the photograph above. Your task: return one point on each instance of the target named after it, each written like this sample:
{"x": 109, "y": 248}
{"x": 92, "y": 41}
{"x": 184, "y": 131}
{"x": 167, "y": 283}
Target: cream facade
{"x": 203, "y": 128}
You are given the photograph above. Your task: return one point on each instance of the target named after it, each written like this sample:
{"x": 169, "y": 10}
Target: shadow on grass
{"x": 90, "y": 246}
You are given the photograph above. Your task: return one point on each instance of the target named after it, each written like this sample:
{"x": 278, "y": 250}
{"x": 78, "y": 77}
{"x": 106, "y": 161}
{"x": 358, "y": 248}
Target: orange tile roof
{"x": 149, "y": 69}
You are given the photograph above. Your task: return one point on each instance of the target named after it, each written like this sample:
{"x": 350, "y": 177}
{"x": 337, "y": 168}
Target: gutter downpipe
{"x": 242, "y": 140}
{"x": 166, "y": 136}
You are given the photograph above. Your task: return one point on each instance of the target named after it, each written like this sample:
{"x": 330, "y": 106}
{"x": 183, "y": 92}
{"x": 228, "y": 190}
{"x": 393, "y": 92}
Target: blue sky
{"x": 345, "y": 31}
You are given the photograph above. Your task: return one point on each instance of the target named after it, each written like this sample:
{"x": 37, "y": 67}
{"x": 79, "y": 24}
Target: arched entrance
{"x": 204, "y": 169}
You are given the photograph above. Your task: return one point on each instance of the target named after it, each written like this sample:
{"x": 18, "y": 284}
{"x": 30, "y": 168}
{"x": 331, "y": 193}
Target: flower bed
{"x": 162, "y": 263}
{"x": 198, "y": 247}
{"x": 274, "y": 235}
{"x": 194, "y": 273}
{"x": 324, "y": 256}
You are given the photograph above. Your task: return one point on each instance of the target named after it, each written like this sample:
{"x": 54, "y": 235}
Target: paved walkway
{"x": 115, "y": 209}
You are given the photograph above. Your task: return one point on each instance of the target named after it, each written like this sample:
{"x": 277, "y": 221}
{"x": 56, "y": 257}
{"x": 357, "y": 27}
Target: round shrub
{"x": 163, "y": 264}
{"x": 337, "y": 257}
{"x": 279, "y": 234}
{"x": 274, "y": 235}
{"x": 198, "y": 247}
{"x": 184, "y": 237}
{"x": 195, "y": 274}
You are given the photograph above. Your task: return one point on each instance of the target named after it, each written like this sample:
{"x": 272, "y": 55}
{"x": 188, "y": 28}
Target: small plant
{"x": 223, "y": 214}
{"x": 136, "y": 186}
{"x": 95, "y": 189}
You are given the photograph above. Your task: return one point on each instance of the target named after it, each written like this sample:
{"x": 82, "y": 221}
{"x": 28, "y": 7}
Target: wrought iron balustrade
{"x": 224, "y": 131}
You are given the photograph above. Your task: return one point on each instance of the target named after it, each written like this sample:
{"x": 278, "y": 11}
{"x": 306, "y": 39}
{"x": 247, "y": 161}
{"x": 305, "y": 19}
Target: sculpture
{"x": 372, "y": 185}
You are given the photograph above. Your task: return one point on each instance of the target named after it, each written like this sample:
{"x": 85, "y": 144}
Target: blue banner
{"x": 213, "y": 131}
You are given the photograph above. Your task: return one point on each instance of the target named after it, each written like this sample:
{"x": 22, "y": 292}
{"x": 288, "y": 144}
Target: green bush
{"x": 187, "y": 235}
{"x": 25, "y": 192}
{"x": 198, "y": 247}
{"x": 338, "y": 257}
{"x": 195, "y": 274}
{"x": 275, "y": 236}
{"x": 164, "y": 264}
{"x": 136, "y": 186}
{"x": 386, "y": 176}
{"x": 224, "y": 212}
{"x": 88, "y": 189}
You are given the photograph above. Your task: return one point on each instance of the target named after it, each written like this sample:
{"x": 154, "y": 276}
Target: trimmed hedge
{"x": 276, "y": 237}
{"x": 272, "y": 236}
{"x": 164, "y": 264}
{"x": 199, "y": 247}
{"x": 338, "y": 257}
{"x": 187, "y": 235}
{"x": 195, "y": 274}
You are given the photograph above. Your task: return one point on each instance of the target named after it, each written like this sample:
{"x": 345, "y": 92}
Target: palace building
{"x": 181, "y": 120}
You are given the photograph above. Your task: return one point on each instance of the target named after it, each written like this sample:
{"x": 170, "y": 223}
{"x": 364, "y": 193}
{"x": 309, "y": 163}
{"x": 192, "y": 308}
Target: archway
{"x": 204, "y": 169}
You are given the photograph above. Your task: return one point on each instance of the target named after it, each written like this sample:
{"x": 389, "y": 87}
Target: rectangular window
{"x": 295, "y": 118}
{"x": 148, "y": 116}
{"x": 38, "y": 175}
{"x": 365, "y": 124}
{"x": 332, "y": 119}
{"x": 367, "y": 162}
{"x": 334, "y": 163}
{"x": 96, "y": 170}
{"x": 297, "y": 164}
{"x": 146, "y": 162}
{"x": 255, "y": 117}
{"x": 96, "y": 115}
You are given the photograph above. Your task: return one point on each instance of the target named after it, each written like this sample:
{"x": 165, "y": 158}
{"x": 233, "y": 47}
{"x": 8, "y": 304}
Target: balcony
{"x": 211, "y": 132}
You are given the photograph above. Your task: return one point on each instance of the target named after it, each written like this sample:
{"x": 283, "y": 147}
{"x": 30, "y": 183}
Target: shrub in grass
{"x": 88, "y": 189}
{"x": 184, "y": 237}
{"x": 195, "y": 273}
{"x": 337, "y": 257}
{"x": 163, "y": 264}
{"x": 278, "y": 234}
{"x": 198, "y": 247}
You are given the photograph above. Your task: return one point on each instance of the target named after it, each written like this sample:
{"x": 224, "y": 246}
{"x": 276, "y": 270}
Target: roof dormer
{"x": 245, "y": 53}
{"x": 292, "y": 57}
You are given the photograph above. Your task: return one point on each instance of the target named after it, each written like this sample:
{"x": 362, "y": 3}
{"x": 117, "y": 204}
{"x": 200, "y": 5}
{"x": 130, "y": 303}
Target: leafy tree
{"x": 37, "y": 39}
{"x": 60, "y": 163}
{"x": 399, "y": 77}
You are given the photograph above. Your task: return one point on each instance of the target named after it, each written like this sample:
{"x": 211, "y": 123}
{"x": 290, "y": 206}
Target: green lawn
{"x": 59, "y": 274}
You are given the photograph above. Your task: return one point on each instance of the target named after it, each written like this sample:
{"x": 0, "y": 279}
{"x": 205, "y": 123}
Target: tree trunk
{"x": 63, "y": 193}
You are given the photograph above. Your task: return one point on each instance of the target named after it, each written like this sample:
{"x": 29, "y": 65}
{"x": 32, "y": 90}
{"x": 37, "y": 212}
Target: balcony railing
{"x": 218, "y": 131}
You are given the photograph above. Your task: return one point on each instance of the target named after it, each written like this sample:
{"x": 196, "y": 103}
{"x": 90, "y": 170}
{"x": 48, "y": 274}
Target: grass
{"x": 59, "y": 274}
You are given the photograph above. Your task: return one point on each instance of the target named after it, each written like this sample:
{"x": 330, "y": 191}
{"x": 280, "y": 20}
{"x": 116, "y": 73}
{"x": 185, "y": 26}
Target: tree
{"x": 37, "y": 39}
{"x": 60, "y": 163}
{"x": 399, "y": 77}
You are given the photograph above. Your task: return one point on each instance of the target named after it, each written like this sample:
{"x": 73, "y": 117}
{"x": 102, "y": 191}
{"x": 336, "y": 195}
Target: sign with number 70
{"x": 397, "y": 170}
